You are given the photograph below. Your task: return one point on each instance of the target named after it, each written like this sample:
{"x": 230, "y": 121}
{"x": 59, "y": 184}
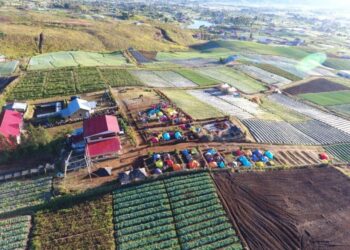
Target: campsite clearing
{"x": 300, "y": 205}
{"x": 63, "y": 59}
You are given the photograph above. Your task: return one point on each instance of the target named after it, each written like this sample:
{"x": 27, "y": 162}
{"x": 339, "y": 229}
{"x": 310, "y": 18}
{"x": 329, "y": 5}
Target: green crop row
{"x": 70, "y": 81}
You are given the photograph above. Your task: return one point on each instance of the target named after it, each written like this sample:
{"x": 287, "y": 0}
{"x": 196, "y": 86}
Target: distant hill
{"x": 20, "y": 31}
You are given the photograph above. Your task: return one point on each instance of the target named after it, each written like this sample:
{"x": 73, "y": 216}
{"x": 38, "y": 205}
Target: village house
{"x": 101, "y": 137}
{"x": 78, "y": 109}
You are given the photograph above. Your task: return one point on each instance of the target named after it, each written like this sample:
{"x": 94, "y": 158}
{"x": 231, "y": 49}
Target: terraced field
{"x": 332, "y": 120}
{"x": 181, "y": 212}
{"x": 278, "y": 71}
{"x": 86, "y": 225}
{"x": 61, "y": 59}
{"x": 197, "y": 108}
{"x": 197, "y": 78}
{"x": 14, "y": 232}
{"x": 20, "y": 194}
{"x": 234, "y": 78}
{"x": 340, "y": 151}
{"x": 262, "y": 75}
{"x": 322, "y": 133}
{"x": 328, "y": 98}
{"x": 70, "y": 81}
{"x": 220, "y": 104}
{"x": 162, "y": 79}
{"x": 342, "y": 108}
{"x": 119, "y": 77}
{"x": 277, "y": 132}
{"x": 7, "y": 68}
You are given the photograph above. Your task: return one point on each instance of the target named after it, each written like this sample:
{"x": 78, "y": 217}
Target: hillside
{"x": 19, "y": 29}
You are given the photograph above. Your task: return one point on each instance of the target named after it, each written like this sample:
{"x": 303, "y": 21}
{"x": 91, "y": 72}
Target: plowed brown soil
{"x": 315, "y": 86}
{"x": 289, "y": 209}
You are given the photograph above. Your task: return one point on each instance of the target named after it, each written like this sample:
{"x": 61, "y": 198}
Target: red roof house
{"x": 11, "y": 124}
{"x": 101, "y": 136}
{"x": 103, "y": 148}
{"x": 99, "y": 127}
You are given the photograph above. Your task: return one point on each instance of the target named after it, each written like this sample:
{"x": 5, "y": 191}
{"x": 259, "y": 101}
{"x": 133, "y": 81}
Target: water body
{"x": 198, "y": 23}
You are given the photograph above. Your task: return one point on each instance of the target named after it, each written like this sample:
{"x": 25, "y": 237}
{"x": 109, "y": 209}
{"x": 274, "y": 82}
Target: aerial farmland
{"x": 173, "y": 126}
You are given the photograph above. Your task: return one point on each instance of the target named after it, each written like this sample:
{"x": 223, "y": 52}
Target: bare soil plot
{"x": 315, "y": 86}
{"x": 332, "y": 120}
{"x": 262, "y": 75}
{"x": 289, "y": 209}
{"x": 321, "y": 132}
{"x": 277, "y": 132}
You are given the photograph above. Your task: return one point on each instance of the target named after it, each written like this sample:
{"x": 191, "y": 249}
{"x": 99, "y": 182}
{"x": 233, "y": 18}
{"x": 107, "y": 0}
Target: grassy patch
{"x": 197, "y": 109}
{"x": 328, "y": 98}
{"x": 278, "y": 71}
{"x": 197, "y": 78}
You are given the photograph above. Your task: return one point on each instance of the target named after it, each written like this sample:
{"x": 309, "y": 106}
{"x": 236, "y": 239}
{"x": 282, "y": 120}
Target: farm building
{"x": 344, "y": 73}
{"x": 78, "y": 108}
{"x": 47, "y": 110}
{"x": 17, "y": 106}
{"x": 11, "y": 123}
{"x": 101, "y": 136}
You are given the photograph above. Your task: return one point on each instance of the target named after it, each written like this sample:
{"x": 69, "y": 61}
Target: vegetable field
{"x": 343, "y": 108}
{"x": 181, "y": 212}
{"x": 321, "y": 132}
{"x": 197, "y": 78}
{"x": 21, "y": 194}
{"x": 328, "y": 98}
{"x": 61, "y": 59}
{"x": 87, "y": 225}
{"x": 14, "y": 232}
{"x": 340, "y": 151}
{"x": 196, "y": 108}
{"x": 163, "y": 79}
{"x": 264, "y": 76}
{"x": 332, "y": 120}
{"x": 223, "y": 106}
{"x": 236, "y": 79}
{"x": 200, "y": 219}
{"x": 143, "y": 218}
{"x": 278, "y": 71}
{"x": 69, "y": 81}
{"x": 7, "y": 68}
{"x": 119, "y": 77}
{"x": 277, "y": 132}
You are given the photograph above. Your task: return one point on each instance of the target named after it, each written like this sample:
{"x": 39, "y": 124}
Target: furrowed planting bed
{"x": 14, "y": 232}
